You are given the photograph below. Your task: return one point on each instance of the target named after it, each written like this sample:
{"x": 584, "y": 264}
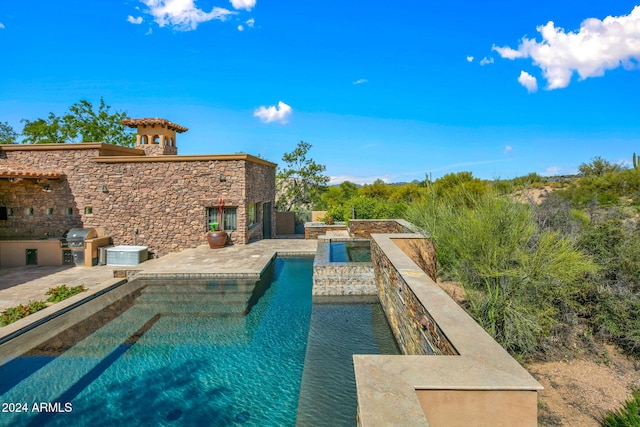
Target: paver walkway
{"x": 19, "y": 285}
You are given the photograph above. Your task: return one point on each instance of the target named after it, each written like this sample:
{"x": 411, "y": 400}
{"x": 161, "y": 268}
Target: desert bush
{"x": 520, "y": 280}
{"x": 615, "y": 245}
{"x": 607, "y": 188}
{"x": 461, "y": 188}
{"x": 556, "y": 214}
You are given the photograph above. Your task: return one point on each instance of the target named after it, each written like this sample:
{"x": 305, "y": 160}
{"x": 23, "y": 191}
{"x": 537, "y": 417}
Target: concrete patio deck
{"x": 19, "y": 285}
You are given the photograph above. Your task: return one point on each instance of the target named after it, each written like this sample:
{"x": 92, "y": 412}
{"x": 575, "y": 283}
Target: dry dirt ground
{"x": 580, "y": 385}
{"x": 580, "y": 389}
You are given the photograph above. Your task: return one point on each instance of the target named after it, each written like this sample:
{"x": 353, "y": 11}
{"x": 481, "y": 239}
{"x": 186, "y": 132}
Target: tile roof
{"x": 134, "y": 123}
{"x": 13, "y": 169}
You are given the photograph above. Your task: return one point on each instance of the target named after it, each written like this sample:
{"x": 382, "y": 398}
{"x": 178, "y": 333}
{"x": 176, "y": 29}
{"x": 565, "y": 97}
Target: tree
{"x": 7, "y": 134}
{"x": 598, "y": 167}
{"x": 299, "y": 183}
{"x": 80, "y": 124}
{"x": 43, "y": 131}
{"x": 377, "y": 190}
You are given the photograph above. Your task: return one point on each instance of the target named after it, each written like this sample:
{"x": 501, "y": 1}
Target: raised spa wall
{"x": 341, "y": 278}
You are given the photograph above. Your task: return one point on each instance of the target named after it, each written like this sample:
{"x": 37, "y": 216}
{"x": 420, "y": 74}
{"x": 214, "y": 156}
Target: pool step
{"x": 200, "y": 308}
{"x": 203, "y": 297}
{"x": 240, "y": 287}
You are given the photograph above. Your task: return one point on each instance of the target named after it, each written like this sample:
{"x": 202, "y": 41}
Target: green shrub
{"x": 57, "y": 294}
{"x": 521, "y": 282}
{"x": 618, "y": 318}
{"x": 614, "y": 312}
{"x": 627, "y": 416}
{"x": 364, "y": 207}
{"x": 12, "y": 314}
{"x": 63, "y": 292}
{"x": 607, "y": 189}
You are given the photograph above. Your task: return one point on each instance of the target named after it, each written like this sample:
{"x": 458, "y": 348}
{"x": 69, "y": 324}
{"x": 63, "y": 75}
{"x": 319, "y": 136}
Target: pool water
{"x": 350, "y": 252}
{"x": 339, "y": 330}
{"x": 193, "y": 355}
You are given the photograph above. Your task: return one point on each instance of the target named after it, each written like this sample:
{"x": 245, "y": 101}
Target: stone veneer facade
{"x": 364, "y": 228}
{"x": 340, "y": 278}
{"x": 359, "y": 228}
{"x": 414, "y": 328}
{"x": 159, "y": 201}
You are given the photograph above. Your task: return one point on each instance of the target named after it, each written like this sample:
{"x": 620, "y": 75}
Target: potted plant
{"x": 216, "y": 238}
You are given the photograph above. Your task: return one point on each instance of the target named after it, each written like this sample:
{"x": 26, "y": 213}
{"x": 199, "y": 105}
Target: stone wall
{"x": 364, "y": 228}
{"x": 313, "y": 230}
{"x": 160, "y": 202}
{"x": 341, "y": 278}
{"x": 359, "y": 228}
{"x": 414, "y": 328}
{"x": 39, "y": 209}
{"x": 260, "y": 188}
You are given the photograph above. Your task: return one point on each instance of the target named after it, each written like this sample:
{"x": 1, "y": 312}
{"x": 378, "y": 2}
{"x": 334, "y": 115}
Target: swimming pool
{"x": 203, "y": 353}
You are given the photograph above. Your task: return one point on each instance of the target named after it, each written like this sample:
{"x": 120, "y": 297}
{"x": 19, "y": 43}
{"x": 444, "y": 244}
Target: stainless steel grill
{"x": 75, "y": 239}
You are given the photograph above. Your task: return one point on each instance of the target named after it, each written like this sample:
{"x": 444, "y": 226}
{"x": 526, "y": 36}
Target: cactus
{"x": 636, "y": 162}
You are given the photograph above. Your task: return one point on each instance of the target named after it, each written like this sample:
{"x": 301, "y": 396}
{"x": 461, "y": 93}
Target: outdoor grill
{"x": 75, "y": 239}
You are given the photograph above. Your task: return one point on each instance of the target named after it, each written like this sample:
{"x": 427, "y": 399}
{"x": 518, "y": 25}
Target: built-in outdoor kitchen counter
{"x": 78, "y": 246}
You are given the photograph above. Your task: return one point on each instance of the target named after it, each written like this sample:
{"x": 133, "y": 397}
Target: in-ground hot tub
{"x": 127, "y": 255}
{"x": 342, "y": 266}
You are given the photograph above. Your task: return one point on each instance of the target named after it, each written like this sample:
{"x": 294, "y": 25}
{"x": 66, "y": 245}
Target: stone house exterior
{"x": 146, "y": 195}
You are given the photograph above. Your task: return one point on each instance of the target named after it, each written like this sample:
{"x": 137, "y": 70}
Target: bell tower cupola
{"x": 157, "y": 137}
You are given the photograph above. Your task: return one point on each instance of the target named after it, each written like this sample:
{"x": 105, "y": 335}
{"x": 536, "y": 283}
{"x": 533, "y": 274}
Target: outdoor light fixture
{"x": 222, "y": 177}
{"x": 46, "y": 188}
{"x": 104, "y": 188}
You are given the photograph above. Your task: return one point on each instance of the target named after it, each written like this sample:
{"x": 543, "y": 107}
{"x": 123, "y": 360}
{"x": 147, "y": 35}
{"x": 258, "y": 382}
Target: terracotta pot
{"x": 217, "y": 239}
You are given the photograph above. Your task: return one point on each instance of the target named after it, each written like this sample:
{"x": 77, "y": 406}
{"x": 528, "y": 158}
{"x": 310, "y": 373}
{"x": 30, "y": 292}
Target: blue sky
{"x": 389, "y": 90}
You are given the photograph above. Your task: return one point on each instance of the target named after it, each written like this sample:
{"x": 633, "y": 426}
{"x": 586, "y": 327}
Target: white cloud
{"x": 528, "y": 81}
{"x": 507, "y": 52}
{"x": 279, "y": 114}
{"x": 508, "y": 149}
{"x": 243, "y": 4}
{"x": 469, "y": 58}
{"x": 133, "y": 20}
{"x": 183, "y": 15}
{"x": 598, "y": 46}
{"x": 360, "y": 81}
{"x": 250, "y": 22}
{"x": 485, "y": 61}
